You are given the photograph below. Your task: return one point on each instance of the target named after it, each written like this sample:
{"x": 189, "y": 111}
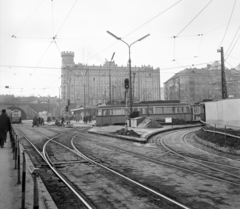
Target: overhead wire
{"x": 37, "y": 64}
{"x": 194, "y": 18}
{"x": 137, "y": 28}
{"x": 52, "y": 19}
{"x": 66, "y": 18}
{"x": 233, "y": 47}
{"x": 228, "y": 24}
{"x": 232, "y": 41}
{"x": 27, "y": 19}
{"x": 22, "y": 66}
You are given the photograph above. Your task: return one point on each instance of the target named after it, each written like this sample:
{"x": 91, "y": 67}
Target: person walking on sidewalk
{"x": 5, "y": 126}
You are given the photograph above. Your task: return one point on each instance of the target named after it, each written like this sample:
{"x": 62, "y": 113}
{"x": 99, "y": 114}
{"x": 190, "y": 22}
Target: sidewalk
{"x": 10, "y": 197}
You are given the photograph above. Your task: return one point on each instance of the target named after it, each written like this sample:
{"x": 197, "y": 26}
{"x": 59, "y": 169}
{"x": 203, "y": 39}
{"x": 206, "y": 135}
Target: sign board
{"x": 168, "y": 120}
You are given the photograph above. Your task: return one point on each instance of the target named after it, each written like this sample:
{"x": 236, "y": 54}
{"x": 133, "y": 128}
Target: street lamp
{"x": 110, "y": 100}
{"x": 129, "y": 61}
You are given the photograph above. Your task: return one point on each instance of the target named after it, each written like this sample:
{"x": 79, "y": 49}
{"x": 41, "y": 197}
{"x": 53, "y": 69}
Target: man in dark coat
{"x": 5, "y": 126}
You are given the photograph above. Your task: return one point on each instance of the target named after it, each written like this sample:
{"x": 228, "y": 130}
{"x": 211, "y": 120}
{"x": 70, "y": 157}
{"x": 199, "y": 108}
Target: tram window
{"x": 159, "y": 110}
{"x": 173, "y": 109}
{"x": 99, "y": 112}
{"x": 107, "y": 112}
{"x": 187, "y": 109}
{"x": 118, "y": 112}
{"x": 135, "y": 109}
{"x": 140, "y": 111}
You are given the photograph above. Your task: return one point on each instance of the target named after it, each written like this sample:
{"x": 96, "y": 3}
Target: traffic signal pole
{"x": 126, "y": 112}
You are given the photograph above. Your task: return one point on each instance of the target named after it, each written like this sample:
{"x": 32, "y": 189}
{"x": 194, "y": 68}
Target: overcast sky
{"x": 30, "y": 58}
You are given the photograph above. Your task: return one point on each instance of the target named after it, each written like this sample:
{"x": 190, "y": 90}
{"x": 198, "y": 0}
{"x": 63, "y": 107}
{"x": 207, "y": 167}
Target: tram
{"x": 15, "y": 116}
{"x": 115, "y": 114}
{"x": 81, "y": 111}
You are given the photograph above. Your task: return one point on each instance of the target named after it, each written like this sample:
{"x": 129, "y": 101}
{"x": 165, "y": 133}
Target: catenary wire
{"x": 37, "y": 64}
{"x": 228, "y": 24}
{"x": 233, "y": 47}
{"x": 66, "y": 17}
{"x": 232, "y": 40}
{"x": 27, "y": 19}
{"x": 194, "y": 18}
{"x": 136, "y": 29}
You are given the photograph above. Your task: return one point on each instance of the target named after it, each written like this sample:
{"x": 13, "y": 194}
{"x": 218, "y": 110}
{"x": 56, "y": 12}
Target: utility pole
{"x": 224, "y": 85}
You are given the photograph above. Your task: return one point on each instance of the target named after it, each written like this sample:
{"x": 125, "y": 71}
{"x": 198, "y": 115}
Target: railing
{"x": 215, "y": 130}
{"x": 16, "y": 150}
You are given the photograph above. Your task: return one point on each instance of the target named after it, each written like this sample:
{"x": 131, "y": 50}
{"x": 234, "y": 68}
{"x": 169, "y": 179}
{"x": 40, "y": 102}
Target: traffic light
{"x": 66, "y": 108}
{"x": 126, "y": 83}
{"x": 68, "y": 102}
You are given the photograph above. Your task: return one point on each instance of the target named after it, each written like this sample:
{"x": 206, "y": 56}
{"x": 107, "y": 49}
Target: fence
{"x": 227, "y": 130}
{"x": 16, "y": 150}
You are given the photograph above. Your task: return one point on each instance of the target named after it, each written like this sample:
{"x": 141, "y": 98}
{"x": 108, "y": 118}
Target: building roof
{"x": 238, "y": 67}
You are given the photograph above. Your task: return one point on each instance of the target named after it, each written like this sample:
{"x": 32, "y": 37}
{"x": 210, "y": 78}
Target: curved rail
{"x": 45, "y": 158}
{"x": 126, "y": 178}
{"x": 197, "y": 161}
{"x": 174, "y": 166}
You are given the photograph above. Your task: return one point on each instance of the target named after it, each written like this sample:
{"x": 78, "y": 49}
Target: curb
{"x": 216, "y": 147}
{"x": 144, "y": 139}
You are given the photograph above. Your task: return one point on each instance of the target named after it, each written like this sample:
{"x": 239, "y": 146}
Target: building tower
{"x": 67, "y": 63}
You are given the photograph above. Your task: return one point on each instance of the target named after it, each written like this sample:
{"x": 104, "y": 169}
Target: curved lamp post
{"x": 129, "y": 61}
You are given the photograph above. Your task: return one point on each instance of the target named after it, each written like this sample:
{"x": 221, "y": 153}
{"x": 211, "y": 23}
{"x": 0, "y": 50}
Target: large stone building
{"x": 194, "y": 85}
{"x": 99, "y": 84}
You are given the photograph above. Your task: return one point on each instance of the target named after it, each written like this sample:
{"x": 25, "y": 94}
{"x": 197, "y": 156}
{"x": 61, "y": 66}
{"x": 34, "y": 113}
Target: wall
{"x": 224, "y": 112}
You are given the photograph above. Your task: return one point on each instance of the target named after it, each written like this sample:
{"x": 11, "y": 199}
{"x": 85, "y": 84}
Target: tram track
{"x": 146, "y": 197}
{"x": 88, "y": 145}
{"x": 61, "y": 191}
{"x": 187, "y": 168}
{"x": 208, "y": 160}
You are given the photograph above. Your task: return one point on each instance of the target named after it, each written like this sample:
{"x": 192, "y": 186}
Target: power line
{"x": 14, "y": 35}
{"x": 233, "y": 47}
{"x": 228, "y": 24}
{"x": 37, "y": 64}
{"x": 232, "y": 40}
{"x": 136, "y": 29}
{"x": 66, "y": 17}
{"x": 22, "y": 66}
{"x": 194, "y": 18}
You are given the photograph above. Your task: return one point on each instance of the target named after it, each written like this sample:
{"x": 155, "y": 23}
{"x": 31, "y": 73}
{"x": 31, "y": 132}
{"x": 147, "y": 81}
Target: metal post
{"x": 214, "y": 129}
{"x": 130, "y": 82}
{"x": 15, "y": 153}
{"x": 23, "y": 181}
{"x": 18, "y": 159}
{"x": 126, "y": 113}
{"x": 35, "y": 190}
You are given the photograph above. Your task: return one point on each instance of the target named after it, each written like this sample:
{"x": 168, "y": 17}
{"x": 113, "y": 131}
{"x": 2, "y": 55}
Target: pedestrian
{"x": 5, "y": 126}
{"x": 35, "y": 121}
